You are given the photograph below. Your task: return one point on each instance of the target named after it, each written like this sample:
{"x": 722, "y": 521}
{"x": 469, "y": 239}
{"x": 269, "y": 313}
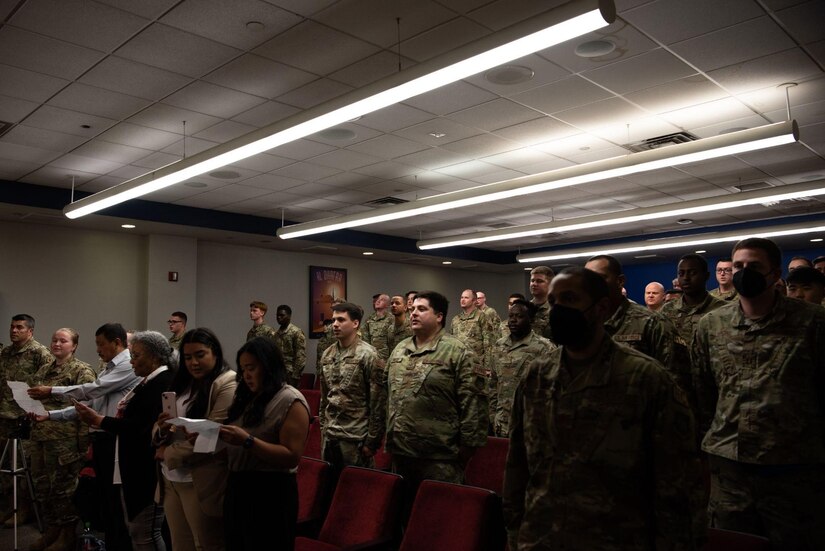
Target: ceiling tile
{"x": 14, "y": 169}
{"x": 569, "y": 146}
{"x": 481, "y": 146}
{"x": 225, "y": 131}
{"x": 428, "y": 131}
{"x": 503, "y": 13}
{"x": 349, "y": 180}
{"x": 516, "y": 159}
{"x": 135, "y": 79}
{"x": 344, "y": 159}
{"x": 388, "y": 146}
{"x": 388, "y": 170}
{"x": 773, "y": 98}
{"x": 22, "y": 84}
{"x": 15, "y": 110}
{"x": 315, "y": 93}
{"x": 221, "y": 197}
{"x": 97, "y": 101}
{"x": 361, "y": 133}
{"x": 259, "y": 76}
{"x": 544, "y": 72}
{"x": 672, "y": 21}
{"x": 263, "y": 162}
{"x": 68, "y": 122}
{"x": 155, "y": 161}
{"x": 43, "y": 139}
{"x": 59, "y": 177}
{"x": 450, "y": 98}
{"x": 536, "y": 131}
{"x": 634, "y": 130}
{"x": 303, "y": 7}
{"x": 432, "y": 158}
{"x": 771, "y": 70}
{"x": 370, "y": 69}
{"x": 676, "y": 94}
{"x": 72, "y": 162}
{"x": 25, "y": 153}
{"x": 495, "y": 114}
{"x": 116, "y": 153}
{"x": 226, "y": 22}
{"x": 176, "y": 51}
{"x": 711, "y": 112}
{"x": 601, "y": 113}
{"x": 468, "y": 170}
{"x": 41, "y": 54}
{"x": 192, "y": 146}
{"x": 443, "y": 38}
{"x": 561, "y": 95}
{"x": 306, "y": 171}
{"x": 726, "y": 126}
{"x": 301, "y": 149}
{"x": 724, "y": 171}
{"x": 395, "y": 117}
{"x": 213, "y": 100}
{"x": 266, "y": 114}
{"x": 639, "y": 72}
{"x": 804, "y": 21}
{"x": 272, "y": 182}
{"x": 150, "y": 9}
{"x": 171, "y": 119}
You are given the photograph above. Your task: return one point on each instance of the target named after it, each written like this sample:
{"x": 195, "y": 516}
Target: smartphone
{"x": 170, "y": 405}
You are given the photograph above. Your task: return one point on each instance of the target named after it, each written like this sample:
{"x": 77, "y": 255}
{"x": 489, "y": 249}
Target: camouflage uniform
{"x": 57, "y": 449}
{"x": 436, "y": 405}
{"x": 375, "y": 331}
{"x": 323, "y": 343}
{"x": 541, "y": 325}
{"x": 727, "y": 295}
{"x": 605, "y": 460}
{"x": 174, "y": 341}
{"x": 491, "y": 315}
{"x": 505, "y": 329}
{"x": 398, "y": 333}
{"x": 353, "y": 403}
{"x": 18, "y": 364}
{"x": 474, "y": 330}
{"x": 510, "y": 360}
{"x": 293, "y": 345}
{"x": 262, "y": 330}
{"x": 761, "y": 393}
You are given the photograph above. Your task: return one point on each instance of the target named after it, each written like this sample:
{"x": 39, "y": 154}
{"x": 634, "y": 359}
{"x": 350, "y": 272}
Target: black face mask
{"x": 749, "y": 283}
{"x": 569, "y": 326}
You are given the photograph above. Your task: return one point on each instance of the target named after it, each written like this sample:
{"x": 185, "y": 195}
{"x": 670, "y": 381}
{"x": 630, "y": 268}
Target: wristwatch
{"x": 248, "y": 442}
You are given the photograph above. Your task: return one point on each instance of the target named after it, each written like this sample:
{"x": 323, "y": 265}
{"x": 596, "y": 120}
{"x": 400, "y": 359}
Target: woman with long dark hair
{"x": 266, "y": 430}
{"x": 193, "y": 484}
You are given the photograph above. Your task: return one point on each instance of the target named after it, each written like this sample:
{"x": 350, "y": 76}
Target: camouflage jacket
{"x": 510, "y": 360}
{"x": 684, "y": 318}
{"x": 353, "y": 394}
{"x": 293, "y": 344}
{"x": 174, "y": 341}
{"x": 541, "y": 324}
{"x": 19, "y": 364}
{"x": 492, "y": 315}
{"x": 606, "y": 460}
{"x": 399, "y": 333}
{"x": 727, "y": 295}
{"x": 323, "y": 343}
{"x": 375, "y": 331}
{"x": 475, "y": 331}
{"x": 436, "y": 399}
{"x": 72, "y": 372}
{"x": 262, "y": 330}
{"x": 761, "y": 383}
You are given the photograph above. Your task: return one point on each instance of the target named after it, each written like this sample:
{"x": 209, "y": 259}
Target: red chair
{"x": 364, "y": 513}
{"x": 455, "y": 518}
{"x": 312, "y": 448}
{"x": 313, "y": 488}
{"x": 383, "y": 458}
{"x": 307, "y": 381}
{"x": 486, "y": 468}
{"x": 727, "y": 540}
{"x": 313, "y": 400}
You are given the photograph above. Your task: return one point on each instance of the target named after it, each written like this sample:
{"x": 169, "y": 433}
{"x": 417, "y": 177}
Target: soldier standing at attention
{"x": 177, "y": 325}
{"x": 504, "y": 327}
{"x": 799, "y": 262}
{"x": 437, "y": 407}
{"x": 807, "y": 284}
{"x": 353, "y": 394}
{"x": 760, "y": 380}
{"x": 540, "y": 278}
{"x": 257, "y": 311}
{"x": 472, "y": 327}
{"x": 293, "y": 344}
{"x": 602, "y": 453}
{"x": 489, "y": 312}
{"x": 376, "y": 328}
{"x": 410, "y": 296}
{"x": 654, "y": 296}
{"x": 724, "y": 277}
{"x": 400, "y": 328}
{"x": 511, "y": 356}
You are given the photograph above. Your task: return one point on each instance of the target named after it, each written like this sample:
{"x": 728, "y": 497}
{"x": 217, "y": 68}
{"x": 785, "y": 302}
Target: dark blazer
{"x": 136, "y": 454}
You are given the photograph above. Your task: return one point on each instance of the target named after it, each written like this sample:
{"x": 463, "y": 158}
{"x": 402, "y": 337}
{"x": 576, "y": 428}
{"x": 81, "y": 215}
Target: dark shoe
{"x": 51, "y": 535}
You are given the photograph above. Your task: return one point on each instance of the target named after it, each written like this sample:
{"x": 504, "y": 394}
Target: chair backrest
{"x": 454, "y": 517}
{"x": 727, "y": 540}
{"x": 313, "y": 486}
{"x": 313, "y": 444}
{"x": 365, "y": 508}
{"x": 307, "y": 381}
{"x": 486, "y": 468}
{"x": 313, "y": 399}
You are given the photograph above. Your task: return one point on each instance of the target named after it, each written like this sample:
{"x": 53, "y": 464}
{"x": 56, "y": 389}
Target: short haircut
{"x": 181, "y": 315}
{"x": 703, "y": 263}
{"x": 259, "y": 305}
{"x": 24, "y": 317}
{"x": 593, "y": 284}
{"x": 112, "y": 332}
{"x": 804, "y": 276}
{"x": 808, "y": 263}
{"x": 543, "y": 270}
{"x": 355, "y": 312}
{"x": 375, "y": 296}
{"x": 472, "y": 292}
{"x": 725, "y": 259}
{"x": 613, "y": 264}
{"x": 72, "y": 333}
{"x": 285, "y": 308}
{"x": 760, "y": 243}
{"x": 516, "y": 295}
{"x": 819, "y": 259}
{"x": 674, "y": 292}
{"x": 408, "y": 293}
{"x": 438, "y": 303}
{"x": 157, "y": 346}
{"x": 532, "y": 309}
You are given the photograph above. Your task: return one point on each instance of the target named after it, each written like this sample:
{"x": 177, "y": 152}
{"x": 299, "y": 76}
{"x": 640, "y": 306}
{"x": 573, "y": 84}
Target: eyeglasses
{"x": 724, "y": 270}
{"x": 173, "y": 322}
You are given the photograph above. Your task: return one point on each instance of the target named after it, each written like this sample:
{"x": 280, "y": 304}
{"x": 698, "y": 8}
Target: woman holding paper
{"x": 266, "y": 430}
{"x": 57, "y": 449}
{"x": 193, "y": 484}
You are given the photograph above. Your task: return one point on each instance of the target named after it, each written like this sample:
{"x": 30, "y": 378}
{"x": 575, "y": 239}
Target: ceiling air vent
{"x": 661, "y": 141}
{"x": 5, "y": 127}
{"x": 384, "y": 201}
{"x": 752, "y": 186}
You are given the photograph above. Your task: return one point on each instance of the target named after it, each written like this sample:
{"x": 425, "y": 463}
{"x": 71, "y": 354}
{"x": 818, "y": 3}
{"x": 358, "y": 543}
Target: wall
{"x": 171, "y": 254}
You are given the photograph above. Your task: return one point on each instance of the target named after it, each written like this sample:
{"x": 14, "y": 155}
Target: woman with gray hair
{"x": 135, "y": 468}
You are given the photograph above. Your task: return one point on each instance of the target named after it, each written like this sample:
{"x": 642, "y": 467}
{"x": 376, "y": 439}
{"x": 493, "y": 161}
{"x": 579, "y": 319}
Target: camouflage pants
{"x": 781, "y": 502}
{"x": 415, "y": 470}
{"x": 343, "y": 453}
{"x": 54, "y": 466}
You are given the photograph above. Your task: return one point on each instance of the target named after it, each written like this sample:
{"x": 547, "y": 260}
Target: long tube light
{"x": 538, "y": 33}
{"x": 708, "y": 148}
{"x": 683, "y": 208}
{"x": 674, "y": 242}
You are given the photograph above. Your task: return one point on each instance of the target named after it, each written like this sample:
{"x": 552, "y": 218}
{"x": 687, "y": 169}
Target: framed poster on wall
{"x": 325, "y": 286}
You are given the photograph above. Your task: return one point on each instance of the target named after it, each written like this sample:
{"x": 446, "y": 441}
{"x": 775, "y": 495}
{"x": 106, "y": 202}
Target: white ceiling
{"x": 98, "y": 91}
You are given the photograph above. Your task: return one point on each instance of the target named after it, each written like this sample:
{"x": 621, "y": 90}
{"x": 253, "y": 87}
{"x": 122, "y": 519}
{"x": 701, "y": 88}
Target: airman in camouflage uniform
{"x": 353, "y": 394}
{"x": 437, "y": 407}
{"x": 511, "y": 355}
{"x": 293, "y": 344}
{"x": 400, "y": 328}
{"x": 376, "y": 328}
{"x": 724, "y": 276}
{"x": 540, "y": 278}
{"x": 759, "y": 371}
{"x": 323, "y": 343}
{"x": 177, "y": 325}
{"x": 472, "y": 327}
{"x": 257, "y": 311}
{"x": 57, "y": 449}
{"x": 488, "y": 311}
{"x": 602, "y": 454}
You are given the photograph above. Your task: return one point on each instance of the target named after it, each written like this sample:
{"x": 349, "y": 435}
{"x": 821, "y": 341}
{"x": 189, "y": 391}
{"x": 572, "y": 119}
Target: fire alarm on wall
{"x": 173, "y": 276}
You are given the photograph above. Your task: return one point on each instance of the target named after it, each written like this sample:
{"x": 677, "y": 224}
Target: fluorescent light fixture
{"x": 709, "y": 148}
{"x": 709, "y": 238}
{"x": 535, "y": 34}
{"x": 672, "y": 210}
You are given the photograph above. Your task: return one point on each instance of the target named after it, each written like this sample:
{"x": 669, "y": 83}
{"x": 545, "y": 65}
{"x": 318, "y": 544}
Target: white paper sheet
{"x": 207, "y": 441}
{"x": 19, "y": 390}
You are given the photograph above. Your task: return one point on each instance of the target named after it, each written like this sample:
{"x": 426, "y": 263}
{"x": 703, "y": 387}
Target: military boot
{"x": 67, "y": 540}
{"x": 51, "y": 535}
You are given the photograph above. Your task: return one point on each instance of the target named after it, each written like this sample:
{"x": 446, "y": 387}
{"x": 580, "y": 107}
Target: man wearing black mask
{"x": 759, "y": 371}
{"x": 602, "y": 453}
